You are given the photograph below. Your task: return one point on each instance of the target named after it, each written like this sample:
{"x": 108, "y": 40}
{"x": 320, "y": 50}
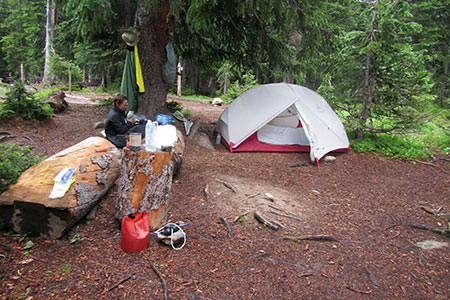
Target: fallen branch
{"x": 371, "y": 277}
{"x": 427, "y": 209}
{"x": 321, "y": 238}
{"x": 254, "y": 195}
{"x": 7, "y": 137}
{"x": 238, "y": 218}
{"x": 264, "y": 221}
{"x": 163, "y": 282}
{"x": 419, "y": 253}
{"x": 277, "y": 208}
{"x": 280, "y": 225}
{"x": 225, "y": 222}
{"x": 285, "y": 215}
{"x": 28, "y": 138}
{"x": 227, "y": 185}
{"x": 128, "y": 276}
{"x": 425, "y": 163}
{"x": 440, "y": 230}
{"x": 390, "y": 227}
{"x": 358, "y": 291}
{"x": 298, "y": 165}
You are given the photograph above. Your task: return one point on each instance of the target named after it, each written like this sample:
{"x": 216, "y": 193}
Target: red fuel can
{"x": 135, "y": 232}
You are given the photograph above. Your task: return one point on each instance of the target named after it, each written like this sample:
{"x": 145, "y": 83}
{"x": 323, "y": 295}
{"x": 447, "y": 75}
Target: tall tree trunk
{"x": 225, "y": 84}
{"x": 153, "y": 29}
{"x": 49, "y": 35}
{"x": 369, "y": 80}
{"x": 179, "y": 69}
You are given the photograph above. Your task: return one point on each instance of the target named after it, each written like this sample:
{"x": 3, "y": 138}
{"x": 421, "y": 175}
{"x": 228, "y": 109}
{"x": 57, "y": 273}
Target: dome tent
{"x": 282, "y": 117}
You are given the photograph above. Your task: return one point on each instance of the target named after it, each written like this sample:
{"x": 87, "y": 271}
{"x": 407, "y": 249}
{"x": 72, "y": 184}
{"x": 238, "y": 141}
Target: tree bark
{"x": 369, "y": 80}
{"x": 146, "y": 181}
{"x": 49, "y": 35}
{"x": 179, "y": 69}
{"x": 153, "y": 29}
{"x": 26, "y": 206}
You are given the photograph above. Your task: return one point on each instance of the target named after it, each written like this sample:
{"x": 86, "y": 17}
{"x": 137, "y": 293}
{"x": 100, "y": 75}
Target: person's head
{"x": 121, "y": 102}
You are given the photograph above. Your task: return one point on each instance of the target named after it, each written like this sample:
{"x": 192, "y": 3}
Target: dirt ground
{"x": 363, "y": 207}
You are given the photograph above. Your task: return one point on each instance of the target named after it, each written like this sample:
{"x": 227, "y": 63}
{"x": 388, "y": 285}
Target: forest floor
{"x": 364, "y": 205}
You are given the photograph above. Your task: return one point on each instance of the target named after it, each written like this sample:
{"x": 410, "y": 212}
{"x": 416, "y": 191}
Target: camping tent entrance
{"x": 284, "y": 133}
{"x": 253, "y": 144}
{"x": 276, "y": 139}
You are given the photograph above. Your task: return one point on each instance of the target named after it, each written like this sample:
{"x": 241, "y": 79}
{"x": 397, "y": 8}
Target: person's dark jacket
{"x": 117, "y": 127}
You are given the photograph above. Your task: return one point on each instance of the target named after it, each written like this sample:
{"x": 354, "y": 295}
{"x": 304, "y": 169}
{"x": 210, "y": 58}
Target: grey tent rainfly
{"x": 282, "y": 117}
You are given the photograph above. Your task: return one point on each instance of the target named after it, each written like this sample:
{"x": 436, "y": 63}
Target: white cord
{"x": 171, "y": 235}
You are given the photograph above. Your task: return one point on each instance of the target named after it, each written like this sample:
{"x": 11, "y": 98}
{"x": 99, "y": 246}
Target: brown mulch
{"x": 360, "y": 206}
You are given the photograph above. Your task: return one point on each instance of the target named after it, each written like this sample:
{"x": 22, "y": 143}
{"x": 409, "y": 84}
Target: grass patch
{"x": 187, "y": 113}
{"x": 434, "y": 136}
{"x": 199, "y": 98}
{"x": 390, "y": 145}
{"x": 43, "y": 95}
{"x": 106, "y": 102}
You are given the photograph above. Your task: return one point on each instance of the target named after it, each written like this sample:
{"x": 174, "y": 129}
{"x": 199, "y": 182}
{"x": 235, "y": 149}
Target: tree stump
{"x": 26, "y": 206}
{"x": 145, "y": 183}
{"x": 57, "y": 102}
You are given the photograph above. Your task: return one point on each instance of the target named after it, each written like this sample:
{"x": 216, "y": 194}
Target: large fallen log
{"x": 26, "y": 206}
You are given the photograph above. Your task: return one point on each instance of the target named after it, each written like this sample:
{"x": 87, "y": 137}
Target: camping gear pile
{"x": 160, "y": 135}
{"x": 136, "y": 231}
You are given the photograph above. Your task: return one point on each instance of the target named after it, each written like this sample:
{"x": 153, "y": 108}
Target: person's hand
{"x": 131, "y": 120}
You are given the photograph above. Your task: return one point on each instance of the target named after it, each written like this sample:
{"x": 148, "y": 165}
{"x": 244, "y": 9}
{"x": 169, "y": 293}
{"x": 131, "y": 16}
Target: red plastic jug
{"x": 135, "y": 232}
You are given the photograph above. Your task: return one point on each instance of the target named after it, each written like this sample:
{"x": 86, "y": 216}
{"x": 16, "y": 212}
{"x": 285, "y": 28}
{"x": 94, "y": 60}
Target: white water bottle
{"x": 150, "y": 136}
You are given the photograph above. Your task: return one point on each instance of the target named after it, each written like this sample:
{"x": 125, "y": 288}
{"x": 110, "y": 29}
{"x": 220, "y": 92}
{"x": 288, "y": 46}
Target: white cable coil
{"x": 163, "y": 236}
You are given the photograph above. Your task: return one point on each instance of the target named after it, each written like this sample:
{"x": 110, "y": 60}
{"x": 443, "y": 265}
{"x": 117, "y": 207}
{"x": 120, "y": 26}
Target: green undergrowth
{"x": 20, "y": 102}
{"x": 419, "y": 143}
{"x": 389, "y": 145}
{"x": 404, "y": 146}
{"x": 14, "y": 160}
{"x": 43, "y": 94}
{"x": 3, "y": 89}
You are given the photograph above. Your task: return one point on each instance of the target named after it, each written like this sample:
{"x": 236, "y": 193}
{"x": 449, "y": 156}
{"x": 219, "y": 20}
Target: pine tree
{"x": 380, "y": 76}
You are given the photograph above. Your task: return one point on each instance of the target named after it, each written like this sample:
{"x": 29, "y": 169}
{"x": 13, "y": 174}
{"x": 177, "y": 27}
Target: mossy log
{"x": 26, "y": 206}
{"x": 145, "y": 183}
